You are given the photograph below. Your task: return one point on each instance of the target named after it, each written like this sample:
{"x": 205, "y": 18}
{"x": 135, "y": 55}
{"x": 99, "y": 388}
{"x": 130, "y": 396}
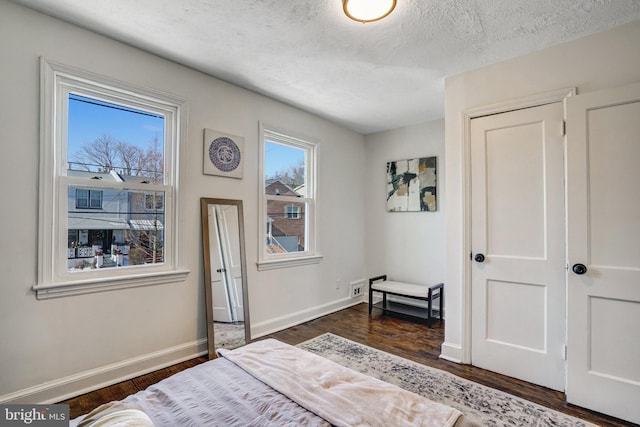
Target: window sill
{"x": 288, "y": 262}
{"x": 81, "y": 287}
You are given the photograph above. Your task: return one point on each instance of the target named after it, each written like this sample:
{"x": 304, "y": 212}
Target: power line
{"x": 92, "y": 101}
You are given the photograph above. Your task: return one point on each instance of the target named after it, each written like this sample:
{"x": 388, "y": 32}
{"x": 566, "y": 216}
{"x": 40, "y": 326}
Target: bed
{"x": 270, "y": 383}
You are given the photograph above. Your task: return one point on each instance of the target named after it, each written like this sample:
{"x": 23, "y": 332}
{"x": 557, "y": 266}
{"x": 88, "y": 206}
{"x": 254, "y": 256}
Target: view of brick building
{"x": 285, "y": 219}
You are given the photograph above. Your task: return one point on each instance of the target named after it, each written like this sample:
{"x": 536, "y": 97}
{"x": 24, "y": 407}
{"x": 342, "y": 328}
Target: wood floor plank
{"x": 402, "y": 337}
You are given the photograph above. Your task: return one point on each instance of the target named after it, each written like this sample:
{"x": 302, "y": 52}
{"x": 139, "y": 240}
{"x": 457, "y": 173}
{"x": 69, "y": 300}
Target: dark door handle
{"x": 479, "y": 258}
{"x": 221, "y": 270}
{"x": 579, "y": 268}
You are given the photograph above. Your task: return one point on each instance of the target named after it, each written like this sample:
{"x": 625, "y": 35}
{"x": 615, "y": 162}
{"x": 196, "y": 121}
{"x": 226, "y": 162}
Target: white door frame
{"x": 559, "y": 95}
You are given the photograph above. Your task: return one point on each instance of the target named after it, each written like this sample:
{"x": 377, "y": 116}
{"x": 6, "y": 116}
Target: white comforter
{"x": 269, "y": 383}
{"x": 338, "y": 394}
{"x": 218, "y": 393}
{"x": 116, "y": 414}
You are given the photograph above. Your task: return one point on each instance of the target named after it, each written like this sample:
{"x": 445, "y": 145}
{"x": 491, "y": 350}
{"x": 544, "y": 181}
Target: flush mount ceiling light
{"x": 368, "y": 10}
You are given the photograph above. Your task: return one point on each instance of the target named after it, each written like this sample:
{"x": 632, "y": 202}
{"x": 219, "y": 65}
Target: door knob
{"x": 220, "y": 270}
{"x": 479, "y": 258}
{"x": 579, "y": 268}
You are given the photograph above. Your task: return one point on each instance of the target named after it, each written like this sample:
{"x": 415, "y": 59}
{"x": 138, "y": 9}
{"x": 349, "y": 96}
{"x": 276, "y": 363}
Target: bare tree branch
{"x": 293, "y": 176}
{"x": 106, "y": 154}
{"x": 99, "y": 154}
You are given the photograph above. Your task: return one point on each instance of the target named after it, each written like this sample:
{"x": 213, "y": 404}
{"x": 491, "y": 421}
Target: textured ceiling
{"x": 367, "y": 77}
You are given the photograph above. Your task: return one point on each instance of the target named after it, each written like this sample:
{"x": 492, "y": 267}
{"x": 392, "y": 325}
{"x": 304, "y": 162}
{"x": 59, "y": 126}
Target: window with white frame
{"x": 154, "y": 201}
{"x": 288, "y": 200}
{"x": 108, "y": 187}
{"x": 293, "y": 212}
{"x": 88, "y": 199}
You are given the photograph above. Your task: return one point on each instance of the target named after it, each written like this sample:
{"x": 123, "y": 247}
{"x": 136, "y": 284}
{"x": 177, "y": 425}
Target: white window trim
{"x": 310, "y": 255}
{"x": 53, "y": 279}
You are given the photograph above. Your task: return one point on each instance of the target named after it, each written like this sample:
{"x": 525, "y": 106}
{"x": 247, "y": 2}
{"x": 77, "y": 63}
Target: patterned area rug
{"x": 484, "y": 405}
{"x": 228, "y": 335}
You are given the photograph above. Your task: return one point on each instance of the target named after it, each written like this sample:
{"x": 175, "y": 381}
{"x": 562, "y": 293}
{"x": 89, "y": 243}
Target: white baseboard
{"x": 93, "y": 379}
{"x": 278, "y": 324}
{"x": 451, "y": 352}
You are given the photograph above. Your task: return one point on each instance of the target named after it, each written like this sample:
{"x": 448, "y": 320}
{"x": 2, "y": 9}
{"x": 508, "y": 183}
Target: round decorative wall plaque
{"x": 224, "y": 154}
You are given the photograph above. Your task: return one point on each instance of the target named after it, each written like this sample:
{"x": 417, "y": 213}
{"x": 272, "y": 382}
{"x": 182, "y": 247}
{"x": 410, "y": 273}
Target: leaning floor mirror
{"x": 225, "y": 274}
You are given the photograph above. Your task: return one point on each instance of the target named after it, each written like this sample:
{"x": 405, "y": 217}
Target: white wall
{"x": 407, "y": 246}
{"x": 57, "y": 347}
{"x": 596, "y": 62}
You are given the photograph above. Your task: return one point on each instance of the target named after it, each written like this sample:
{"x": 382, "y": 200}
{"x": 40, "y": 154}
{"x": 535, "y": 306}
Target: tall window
{"x": 109, "y": 173}
{"x": 288, "y": 226}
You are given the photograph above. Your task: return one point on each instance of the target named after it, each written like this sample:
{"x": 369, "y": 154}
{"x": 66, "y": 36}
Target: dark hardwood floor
{"x": 408, "y": 339}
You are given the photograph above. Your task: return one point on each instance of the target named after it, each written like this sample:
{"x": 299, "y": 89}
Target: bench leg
{"x": 370, "y": 299}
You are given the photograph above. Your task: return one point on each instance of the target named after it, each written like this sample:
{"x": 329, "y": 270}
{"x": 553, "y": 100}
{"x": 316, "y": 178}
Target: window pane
{"x": 148, "y": 201}
{"x": 123, "y": 233}
{"x": 286, "y": 225}
{"x": 285, "y": 164}
{"x": 159, "y": 199}
{"x": 105, "y": 137}
{"x": 95, "y": 199}
{"x": 153, "y": 201}
{"x": 82, "y": 198}
{"x": 292, "y": 212}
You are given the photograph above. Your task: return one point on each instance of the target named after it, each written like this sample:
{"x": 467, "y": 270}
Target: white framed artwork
{"x": 223, "y": 154}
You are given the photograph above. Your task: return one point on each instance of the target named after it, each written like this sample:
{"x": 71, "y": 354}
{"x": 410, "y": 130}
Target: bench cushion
{"x": 401, "y": 288}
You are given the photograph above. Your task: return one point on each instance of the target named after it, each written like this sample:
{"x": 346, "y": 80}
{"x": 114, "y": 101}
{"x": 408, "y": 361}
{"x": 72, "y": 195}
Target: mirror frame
{"x": 205, "y": 202}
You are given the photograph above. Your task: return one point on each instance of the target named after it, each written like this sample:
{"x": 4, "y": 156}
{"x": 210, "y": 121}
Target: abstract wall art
{"x": 411, "y": 185}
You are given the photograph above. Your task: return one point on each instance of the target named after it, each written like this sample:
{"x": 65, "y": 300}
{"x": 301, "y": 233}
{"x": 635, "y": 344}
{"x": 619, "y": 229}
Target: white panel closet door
{"x": 603, "y": 181}
{"x": 221, "y": 302}
{"x": 230, "y": 238}
{"x": 518, "y": 226}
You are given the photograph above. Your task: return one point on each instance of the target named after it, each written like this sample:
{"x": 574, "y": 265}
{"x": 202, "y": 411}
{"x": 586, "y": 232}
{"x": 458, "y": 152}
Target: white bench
{"x": 418, "y": 292}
